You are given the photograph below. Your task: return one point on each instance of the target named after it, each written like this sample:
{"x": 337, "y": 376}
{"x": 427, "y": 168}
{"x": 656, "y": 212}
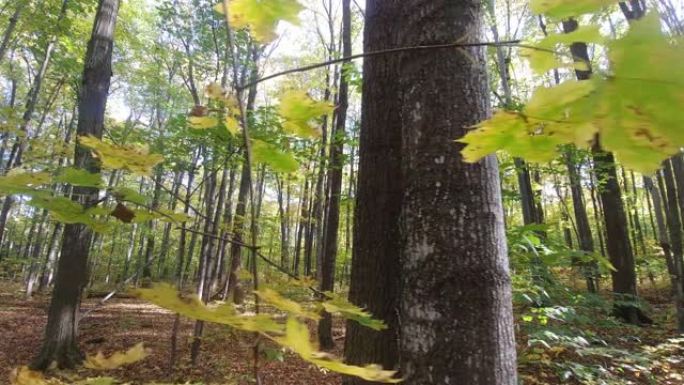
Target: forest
{"x": 233, "y": 192}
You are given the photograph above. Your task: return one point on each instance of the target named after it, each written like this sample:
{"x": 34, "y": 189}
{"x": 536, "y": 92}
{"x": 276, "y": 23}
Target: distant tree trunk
{"x": 617, "y": 231}
{"x": 303, "y": 224}
{"x": 60, "y": 342}
{"x": 617, "y": 239}
{"x": 233, "y": 285}
{"x": 336, "y": 169}
{"x": 9, "y": 30}
{"x": 50, "y": 258}
{"x": 585, "y": 239}
{"x": 283, "y": 214}
{"x": 152, "y": 228}
{"x": 675, "y": 230}
{"x": 662, "y": 232}
{"x": 206, "y": 253}
{"x": 34, "y": 255}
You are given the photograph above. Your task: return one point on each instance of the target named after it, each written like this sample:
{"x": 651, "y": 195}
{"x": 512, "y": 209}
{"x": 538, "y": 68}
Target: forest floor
{"x": 626, "y": 355}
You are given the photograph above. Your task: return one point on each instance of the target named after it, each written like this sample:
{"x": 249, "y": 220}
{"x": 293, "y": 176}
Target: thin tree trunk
{"x": 330, "y": 239}
{"x": 60, "y": 342}
{"x": 675, "y": 230}
{"x": 7, "y": 36}
{"x": 585, "y": 239}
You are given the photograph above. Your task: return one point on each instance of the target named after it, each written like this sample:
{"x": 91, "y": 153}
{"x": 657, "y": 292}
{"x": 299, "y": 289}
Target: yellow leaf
{"x": 551, "y": 102}
{"x": 261, "y": 16}
{"x": 214, "y": 91}
{"x": 135, "y": 159}
{"x": 341, "y": 306}
{"x": 563, "y": 9}
{"x": 276, "y": 300}
{"x": 232, "y": 125}
{"x": 542, "y": 55}
{"x": 278, "y": 159}
{"x": 26, "y": 376}
{"x": 19, "y": 181}
{"x": 299, "y": 111}
{"x": 297, "y": 339}
{"x": 116, "y": 360}
{"x": 166, "y": 296}
{"x": 202, "y": 122}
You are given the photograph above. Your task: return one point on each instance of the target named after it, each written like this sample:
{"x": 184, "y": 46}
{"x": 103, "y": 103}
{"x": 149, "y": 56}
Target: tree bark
{"x": 60, "y": 342}
{"x": 336, "y": 168}
{"x": 375, "y": 255}
{"x": 452, "y": 232}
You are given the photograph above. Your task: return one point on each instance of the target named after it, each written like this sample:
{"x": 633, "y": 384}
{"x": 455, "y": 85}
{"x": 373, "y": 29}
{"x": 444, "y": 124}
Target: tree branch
{"x": 310, "y": 67}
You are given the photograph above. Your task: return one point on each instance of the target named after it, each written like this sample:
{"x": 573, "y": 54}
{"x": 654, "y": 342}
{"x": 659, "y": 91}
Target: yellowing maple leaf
{"x": 25, "y": 376}
{"x": 297, "y": 339}
{"x": 202, "y": 122}
{"x": 261, "y": 16}
{"x": 563, "y": 9}
{"x": 135, "y": 159}
{"x": 298, "y": 110}
{"x": 274, "y": 299}
{"x": 167, "y": 296}
{"x": 118, "y": 359}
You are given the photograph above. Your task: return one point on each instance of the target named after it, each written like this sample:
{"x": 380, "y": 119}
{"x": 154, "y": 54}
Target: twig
{"x": 310, "y": 67}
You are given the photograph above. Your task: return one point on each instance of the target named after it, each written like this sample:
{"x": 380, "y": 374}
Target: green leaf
{"x": 19, "y": 181}
{"x": 79, "y": 177}
{"x": 640, "y": 115}
{"x": 65, "y": 210}
{"x": 543, "y": 57}
{"x": 299, "y": 111}
{"x": 635, "y": 111}
{"x": 279, "y": 160}
{"x": 563, "y": 9}
{"x": 129, "y": 195}
{"x": 261, "y": 16}
{"x": 135, "y": 159}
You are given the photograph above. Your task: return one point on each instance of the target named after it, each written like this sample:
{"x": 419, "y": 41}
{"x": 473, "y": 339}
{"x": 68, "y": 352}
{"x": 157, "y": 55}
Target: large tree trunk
{"x": 375, "y": 261}
{"x": 330, "y": 238}
{"x": 456, "y": 314}
{"x": 60, "y": 342}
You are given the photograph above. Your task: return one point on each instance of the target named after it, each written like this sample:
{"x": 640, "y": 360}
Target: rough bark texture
{"x": 60, "y": 342}
{"x": 375, "y": 259}
{"x": 456, "y": 317}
